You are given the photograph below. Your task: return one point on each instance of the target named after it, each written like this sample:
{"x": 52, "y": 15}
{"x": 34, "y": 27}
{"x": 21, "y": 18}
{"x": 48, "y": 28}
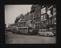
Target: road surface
{"x": 12, "y": 38}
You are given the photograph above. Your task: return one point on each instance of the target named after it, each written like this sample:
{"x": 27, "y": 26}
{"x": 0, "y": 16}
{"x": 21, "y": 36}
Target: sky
{"x": 12, "y": 11}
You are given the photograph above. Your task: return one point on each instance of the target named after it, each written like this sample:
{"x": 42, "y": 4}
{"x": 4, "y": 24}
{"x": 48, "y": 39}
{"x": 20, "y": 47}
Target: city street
{"x": 12, "y": 38}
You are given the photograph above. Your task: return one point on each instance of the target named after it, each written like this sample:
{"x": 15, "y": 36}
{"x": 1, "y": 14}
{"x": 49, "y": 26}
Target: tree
{"x": 18, "y": 18}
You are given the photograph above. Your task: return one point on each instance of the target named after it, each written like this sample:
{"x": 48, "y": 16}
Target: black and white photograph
{"x": 30, "y": 24}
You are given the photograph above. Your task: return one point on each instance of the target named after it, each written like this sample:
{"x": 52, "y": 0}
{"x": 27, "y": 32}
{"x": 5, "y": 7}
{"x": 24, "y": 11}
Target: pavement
{"x": 12, "y": 38}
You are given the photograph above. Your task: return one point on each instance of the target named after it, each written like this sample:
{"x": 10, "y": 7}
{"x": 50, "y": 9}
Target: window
{"x": 54, "y": 20}
{"x": 49, "y": 13}
{"x": 42, "y": 18}
{"x": 54, "y": 11}
{"x": 43, "y": 10}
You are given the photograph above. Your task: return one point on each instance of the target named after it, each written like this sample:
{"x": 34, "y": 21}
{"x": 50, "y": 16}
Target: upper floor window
{"x": 43, "y": 10}
{"x": 54, "y": 11}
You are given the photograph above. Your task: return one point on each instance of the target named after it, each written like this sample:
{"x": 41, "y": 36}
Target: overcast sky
{"x": 12, "y": 11}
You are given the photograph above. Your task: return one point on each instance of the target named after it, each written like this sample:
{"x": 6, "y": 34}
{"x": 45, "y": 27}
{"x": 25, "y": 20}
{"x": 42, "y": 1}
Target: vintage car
{"x": 12, "y": 28}
{"x": 46, "y": 33}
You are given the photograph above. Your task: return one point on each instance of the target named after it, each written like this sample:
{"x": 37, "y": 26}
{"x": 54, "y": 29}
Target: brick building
{"x": 42, "y": 16}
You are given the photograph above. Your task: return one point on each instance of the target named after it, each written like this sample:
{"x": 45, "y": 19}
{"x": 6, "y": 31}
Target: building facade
{"x": 42, "y": 17}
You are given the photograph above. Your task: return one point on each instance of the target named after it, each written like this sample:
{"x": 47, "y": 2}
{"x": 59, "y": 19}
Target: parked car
{"x": 48, "y": 34}
{"x": 12, "y": 28}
